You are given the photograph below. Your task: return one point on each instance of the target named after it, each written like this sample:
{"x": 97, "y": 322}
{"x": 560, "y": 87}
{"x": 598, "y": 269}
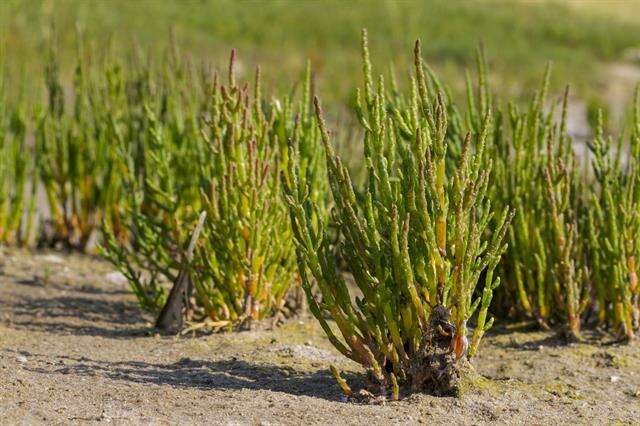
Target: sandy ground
{"x": 74, "y": 349}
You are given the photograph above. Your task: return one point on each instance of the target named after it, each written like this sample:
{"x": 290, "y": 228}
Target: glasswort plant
{"x": 417, "y": 242}
{"x": 243, "y": 267}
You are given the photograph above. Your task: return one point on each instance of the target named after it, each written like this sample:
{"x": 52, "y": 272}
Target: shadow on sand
{"x": 77, "y": 315}
{"x": 232, "y": 374}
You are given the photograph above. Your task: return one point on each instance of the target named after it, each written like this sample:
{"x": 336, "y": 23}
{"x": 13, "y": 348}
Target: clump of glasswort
{"x": 416, "y": 242}
{"x": 613, "y": 234}
{"x": 76, "y": 154}
{"x": 536, "y": 171}
{"x": 16, "y": 167}
{"x": 243, "y": 266}
{"x": 572, "y": 244}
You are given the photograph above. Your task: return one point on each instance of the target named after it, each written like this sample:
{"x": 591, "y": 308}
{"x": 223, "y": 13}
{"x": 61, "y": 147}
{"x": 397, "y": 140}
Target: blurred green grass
{"x": 520, "y": 37}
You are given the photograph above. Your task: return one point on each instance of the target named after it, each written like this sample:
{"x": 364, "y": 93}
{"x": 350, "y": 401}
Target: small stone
{"x": 115, "y": 277}
{"x": 615, "y": 379}
{"x": 21, "y": 359}
{"x": 51, "y": 258}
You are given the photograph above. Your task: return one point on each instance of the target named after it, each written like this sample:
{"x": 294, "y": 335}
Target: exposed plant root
{"x": 434, "y": 369}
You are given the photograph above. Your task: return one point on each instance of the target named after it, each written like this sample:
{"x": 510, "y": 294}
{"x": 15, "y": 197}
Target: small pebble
{"x": 51, "y": 258}
{"x": 21, "y": 359}
{"x": 115, "y": 277}
{"x": 615, "y": 379}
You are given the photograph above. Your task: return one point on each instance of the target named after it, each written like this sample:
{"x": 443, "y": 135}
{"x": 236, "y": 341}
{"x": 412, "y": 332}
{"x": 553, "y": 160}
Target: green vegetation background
{"x": 520, "y": 37}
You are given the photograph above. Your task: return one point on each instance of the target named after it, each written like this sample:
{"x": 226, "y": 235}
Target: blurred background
{"x": 594, "y": 45}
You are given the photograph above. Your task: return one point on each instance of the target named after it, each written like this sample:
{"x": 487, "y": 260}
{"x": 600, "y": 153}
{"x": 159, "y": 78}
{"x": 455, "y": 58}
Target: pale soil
{"x": 623, "y": 77}
{"x": 74, "y": 349}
